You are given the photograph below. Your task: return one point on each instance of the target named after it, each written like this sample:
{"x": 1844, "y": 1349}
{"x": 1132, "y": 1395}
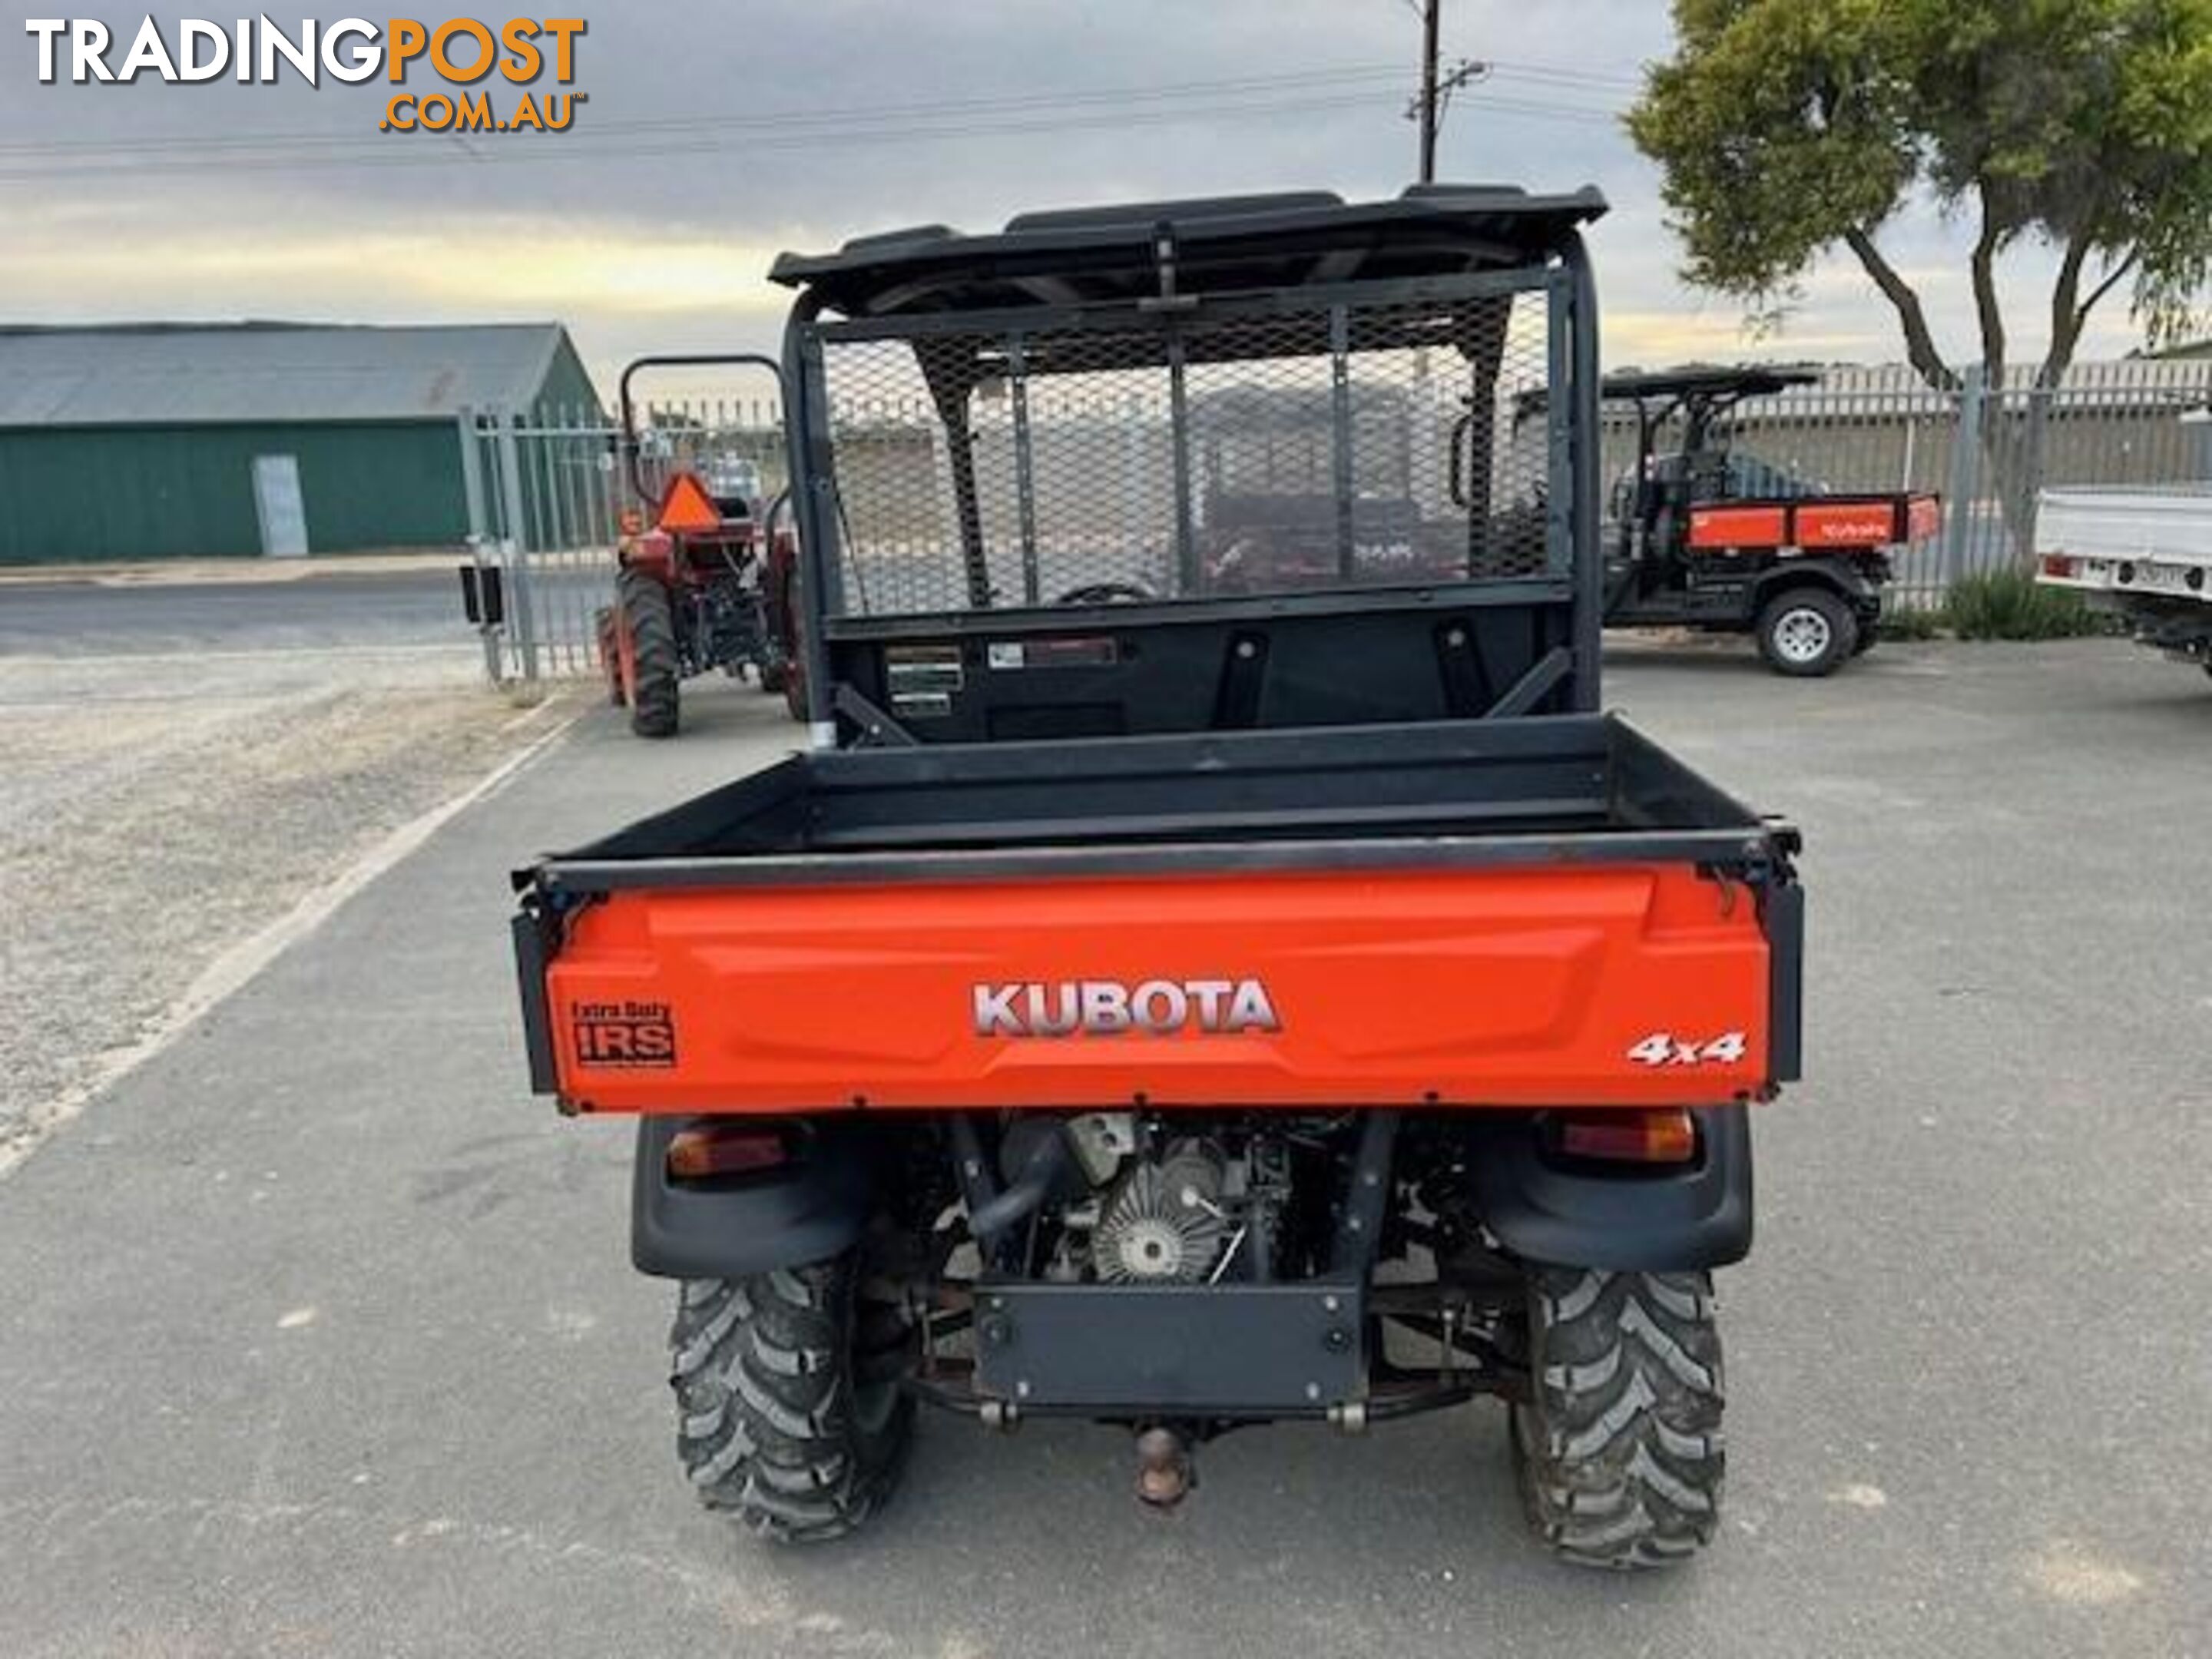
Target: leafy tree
{"x": 1786, "y": 128}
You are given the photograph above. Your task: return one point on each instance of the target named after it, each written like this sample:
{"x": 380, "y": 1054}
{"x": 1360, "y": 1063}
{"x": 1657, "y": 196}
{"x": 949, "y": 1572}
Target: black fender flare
{"x": 1839, "y": 576}
{"x": 1629, "y": 1220}
{"x": 808, "y": 1210}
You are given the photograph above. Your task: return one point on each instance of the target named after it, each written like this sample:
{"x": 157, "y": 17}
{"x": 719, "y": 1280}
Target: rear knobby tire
{"x": 791, "y": 1418}
{"x": 655, "y": 670}
{"x": 1807, "y": 632}
{"x": 1619, "y": 1449}
{"x": 606, "y": 629}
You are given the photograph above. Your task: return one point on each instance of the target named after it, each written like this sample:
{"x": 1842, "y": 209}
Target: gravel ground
{"x": 156, "y": 809}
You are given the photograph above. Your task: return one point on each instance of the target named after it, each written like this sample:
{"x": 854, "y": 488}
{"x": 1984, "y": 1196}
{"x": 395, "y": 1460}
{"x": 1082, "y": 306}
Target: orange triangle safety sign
{"x": 687, "y": 506}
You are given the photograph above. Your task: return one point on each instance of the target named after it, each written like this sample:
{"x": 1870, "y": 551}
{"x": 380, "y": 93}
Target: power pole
{"x": 1430, "y": 26}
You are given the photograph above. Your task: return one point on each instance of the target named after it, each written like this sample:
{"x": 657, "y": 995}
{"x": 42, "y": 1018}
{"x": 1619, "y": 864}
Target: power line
{"x": 396, "y": 156}
{"x": 1254, "y": 97}
{"x": 779, "y": 119}
{"x": 1433, "y": 101}
{"x": 1552, "y": 74}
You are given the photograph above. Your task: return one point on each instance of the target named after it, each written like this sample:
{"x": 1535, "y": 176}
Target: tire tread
{"x": 1619, "y": 1450}
{"x": 651, "y": 619}
{"x": 766, "y": 1429}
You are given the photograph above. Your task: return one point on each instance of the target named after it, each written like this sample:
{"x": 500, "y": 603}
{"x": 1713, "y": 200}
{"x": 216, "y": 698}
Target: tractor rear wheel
{"x": 606, "y": 629}
{"x": 791, "y": 1415}
{"x": 652, "y": 669}
{"x": 1807, "y": 632}
{"x": 1619, "y": 1447}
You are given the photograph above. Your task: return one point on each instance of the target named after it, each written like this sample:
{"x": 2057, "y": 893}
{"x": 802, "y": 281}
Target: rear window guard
{"x": 1355, "y": 437}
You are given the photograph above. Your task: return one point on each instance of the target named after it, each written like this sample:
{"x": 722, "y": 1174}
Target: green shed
{"x": 179, "y": 440}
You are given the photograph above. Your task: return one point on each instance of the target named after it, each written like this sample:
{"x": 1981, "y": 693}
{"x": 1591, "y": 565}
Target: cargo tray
{"x": 1573, "y": 787}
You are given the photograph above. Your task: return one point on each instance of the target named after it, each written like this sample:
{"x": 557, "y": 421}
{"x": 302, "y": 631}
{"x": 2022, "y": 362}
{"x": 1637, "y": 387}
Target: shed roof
{"x": 170, "y": 373}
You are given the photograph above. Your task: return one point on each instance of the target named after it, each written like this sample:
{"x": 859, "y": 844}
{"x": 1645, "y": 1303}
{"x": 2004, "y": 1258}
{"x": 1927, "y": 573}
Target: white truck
{"x": 2144, "y": 554}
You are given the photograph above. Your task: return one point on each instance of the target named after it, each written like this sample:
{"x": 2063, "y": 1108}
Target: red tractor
{"x": 707, "y": 582}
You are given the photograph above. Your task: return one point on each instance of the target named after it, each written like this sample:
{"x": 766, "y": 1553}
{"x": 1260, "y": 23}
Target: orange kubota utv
{"x": 1217, "y": 964}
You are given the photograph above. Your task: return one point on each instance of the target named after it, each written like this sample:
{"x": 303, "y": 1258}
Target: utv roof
{"x": 1215, "y": 244}
{"x": 1708, "y": 379}
{"x": 1746, "y": 380}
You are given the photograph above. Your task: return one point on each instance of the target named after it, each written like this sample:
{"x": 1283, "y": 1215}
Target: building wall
{"x": 178, "y": 492}
{"x": 566, "y": 394}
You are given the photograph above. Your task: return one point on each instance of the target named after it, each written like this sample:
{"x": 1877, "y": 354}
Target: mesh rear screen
{"x": 1082, "y": 459}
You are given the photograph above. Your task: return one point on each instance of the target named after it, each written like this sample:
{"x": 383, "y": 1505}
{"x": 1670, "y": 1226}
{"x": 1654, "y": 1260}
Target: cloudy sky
{"x": 718, "y": 132}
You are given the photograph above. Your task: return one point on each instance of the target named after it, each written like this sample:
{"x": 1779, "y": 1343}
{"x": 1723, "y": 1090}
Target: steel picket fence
{"x": 546, "y": 491}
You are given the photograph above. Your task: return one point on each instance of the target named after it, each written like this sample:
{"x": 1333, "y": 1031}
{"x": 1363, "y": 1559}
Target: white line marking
{"x": 243, "y": 962}
{"x": 530, "y": 713}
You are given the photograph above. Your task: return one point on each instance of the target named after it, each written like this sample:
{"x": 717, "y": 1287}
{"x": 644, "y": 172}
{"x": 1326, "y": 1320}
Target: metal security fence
{"x": 1096, "y": 500}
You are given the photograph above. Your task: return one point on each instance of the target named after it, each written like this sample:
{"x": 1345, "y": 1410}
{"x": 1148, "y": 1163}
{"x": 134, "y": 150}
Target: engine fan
{"x": 1163, "y": 1223}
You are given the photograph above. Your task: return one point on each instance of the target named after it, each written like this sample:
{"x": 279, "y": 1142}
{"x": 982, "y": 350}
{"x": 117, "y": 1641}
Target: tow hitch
{"x": 1165, "y": 1474}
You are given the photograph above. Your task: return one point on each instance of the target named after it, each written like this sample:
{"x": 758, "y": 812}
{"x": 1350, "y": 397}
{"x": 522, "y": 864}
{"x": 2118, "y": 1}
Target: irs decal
{"x": 624, "y": 1034}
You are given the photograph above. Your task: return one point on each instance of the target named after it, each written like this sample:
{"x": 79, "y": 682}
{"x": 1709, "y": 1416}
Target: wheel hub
{"x": 1802, "y": 636}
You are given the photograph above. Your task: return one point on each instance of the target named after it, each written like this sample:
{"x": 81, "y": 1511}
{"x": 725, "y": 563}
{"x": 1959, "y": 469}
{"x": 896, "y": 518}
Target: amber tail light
{"x": 1627, "y": 1137}
{"x": 737, "y": 1149}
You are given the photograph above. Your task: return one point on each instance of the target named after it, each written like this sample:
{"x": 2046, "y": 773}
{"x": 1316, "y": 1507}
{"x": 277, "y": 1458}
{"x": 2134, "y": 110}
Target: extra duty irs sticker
{"x": 624, "y": 1034}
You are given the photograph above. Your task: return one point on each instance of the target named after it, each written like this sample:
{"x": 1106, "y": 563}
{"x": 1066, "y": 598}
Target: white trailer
{"x": 2144, "y": 554}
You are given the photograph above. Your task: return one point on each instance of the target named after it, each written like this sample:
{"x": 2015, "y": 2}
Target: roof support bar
{"x": 1024, "y": 469}
{"x": 1186, "y": 534}
{"x": 1533, "y": 687}
{"x": 1340, "y": 368}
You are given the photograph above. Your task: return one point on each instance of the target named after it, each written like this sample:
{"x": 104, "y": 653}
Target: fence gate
{"x": 546, "y": 494}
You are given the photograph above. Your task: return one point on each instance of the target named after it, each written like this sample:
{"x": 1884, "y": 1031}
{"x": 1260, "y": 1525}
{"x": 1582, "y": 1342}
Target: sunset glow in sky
{"x": 718, "y": 133}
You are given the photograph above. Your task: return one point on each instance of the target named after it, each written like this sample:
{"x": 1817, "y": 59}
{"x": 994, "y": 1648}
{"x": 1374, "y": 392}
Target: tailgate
{"x": 1630, "y": 983}
{"x": 2150, "y": 541}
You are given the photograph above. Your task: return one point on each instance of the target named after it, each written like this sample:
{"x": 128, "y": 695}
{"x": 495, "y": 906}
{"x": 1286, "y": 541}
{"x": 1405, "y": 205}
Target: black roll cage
{"x": 1184, "y": 268}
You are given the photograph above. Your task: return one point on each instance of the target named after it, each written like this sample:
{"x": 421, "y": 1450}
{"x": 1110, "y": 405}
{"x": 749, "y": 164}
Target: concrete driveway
{"x": 316, "y": 1335}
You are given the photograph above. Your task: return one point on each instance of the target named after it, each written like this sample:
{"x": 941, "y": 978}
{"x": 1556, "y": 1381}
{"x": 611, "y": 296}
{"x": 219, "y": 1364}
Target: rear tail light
{"x": 1669, "y": 1136}
{"x": 2057, "y": 564}
{"x": 722, "y": 1149}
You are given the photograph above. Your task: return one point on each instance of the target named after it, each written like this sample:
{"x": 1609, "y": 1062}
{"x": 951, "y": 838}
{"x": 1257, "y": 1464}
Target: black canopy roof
{"x": 1716, "y": 380}
{"x": 1219, "y": 244}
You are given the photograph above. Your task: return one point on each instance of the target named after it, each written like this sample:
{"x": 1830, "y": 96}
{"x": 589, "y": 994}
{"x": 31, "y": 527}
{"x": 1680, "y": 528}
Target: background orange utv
{"x": 1619, "y": 985}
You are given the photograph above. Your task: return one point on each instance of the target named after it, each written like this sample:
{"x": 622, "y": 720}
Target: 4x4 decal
{"x": 1665, "y": 1049}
